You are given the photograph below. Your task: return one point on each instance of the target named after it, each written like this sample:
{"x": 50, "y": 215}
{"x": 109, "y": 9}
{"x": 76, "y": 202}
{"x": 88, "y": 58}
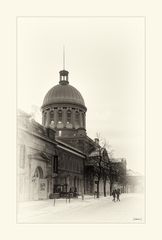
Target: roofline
{"x": 47, "y": 139}
{"x": 72, "y": 151}
{"x": 62, "y": 103}
{"x": 69, "y": 146}
{"x": 55, "y": 142}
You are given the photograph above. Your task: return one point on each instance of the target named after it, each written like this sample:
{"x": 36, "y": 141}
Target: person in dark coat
{"x": 118, "y": 194}
{"x": 114, "y": 194}
{"x": 75, "y": 192}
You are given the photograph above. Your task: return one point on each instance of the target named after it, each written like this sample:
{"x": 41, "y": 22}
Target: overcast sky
{"x": 105, "y": 60}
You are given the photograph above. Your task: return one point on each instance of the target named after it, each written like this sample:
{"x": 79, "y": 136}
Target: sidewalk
{"x": 33, "y": 208}
{"x": 99, "y": 210}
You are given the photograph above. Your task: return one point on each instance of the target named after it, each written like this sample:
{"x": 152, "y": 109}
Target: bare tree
{"x": 104, "y": 168}
{"x": 107, "y": 171}
{"x": 100, "y": 163}
{"x": 117, "y": 173}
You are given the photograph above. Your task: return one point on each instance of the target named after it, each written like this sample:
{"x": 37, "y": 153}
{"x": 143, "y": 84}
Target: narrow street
{"x": 103, "y": 210}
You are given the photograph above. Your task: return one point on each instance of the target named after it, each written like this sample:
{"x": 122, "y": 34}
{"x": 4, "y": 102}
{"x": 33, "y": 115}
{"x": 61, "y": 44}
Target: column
{"x": 81, "y": 119}
{"x": 55, "y": 117}
{"x": 48, "y": 119}
{"x": 73, "y": 117}
{"x": 64, "y": 117}
{"x": 43, "y": 118}
{"x": 84, "y": 124}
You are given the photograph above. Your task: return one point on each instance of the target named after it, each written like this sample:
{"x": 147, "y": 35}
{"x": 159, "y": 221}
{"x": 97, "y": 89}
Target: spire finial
{"x": 64, "y": 73}
{"x": 63, "y": 57}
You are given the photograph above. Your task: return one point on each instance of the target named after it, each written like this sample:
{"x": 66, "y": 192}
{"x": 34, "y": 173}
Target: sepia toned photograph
{"x": 80, "y": 120}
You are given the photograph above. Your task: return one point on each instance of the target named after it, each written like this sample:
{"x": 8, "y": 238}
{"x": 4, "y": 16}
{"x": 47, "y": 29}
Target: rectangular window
{"x": 55, "y": 164}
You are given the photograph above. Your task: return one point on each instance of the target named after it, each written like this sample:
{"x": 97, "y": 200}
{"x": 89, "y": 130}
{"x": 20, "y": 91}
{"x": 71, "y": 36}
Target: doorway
{"x": 38, "y": 174}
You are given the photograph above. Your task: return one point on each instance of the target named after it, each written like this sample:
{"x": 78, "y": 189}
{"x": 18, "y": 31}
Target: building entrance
{"x": 39, "y": 185}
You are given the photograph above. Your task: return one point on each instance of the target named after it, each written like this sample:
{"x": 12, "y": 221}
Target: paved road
{"x": 129, "y": 210}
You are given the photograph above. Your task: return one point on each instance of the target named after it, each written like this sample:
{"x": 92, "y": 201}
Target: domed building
{"x": 55, "y": 157}
{"x": 64, "y": 109}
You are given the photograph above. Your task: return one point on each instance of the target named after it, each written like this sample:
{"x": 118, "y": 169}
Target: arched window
{"x": 60, "y": 116}
{"x": 51, "y": 115}
{"x": 38, "y": 172}
{"x": 69, "y": 116}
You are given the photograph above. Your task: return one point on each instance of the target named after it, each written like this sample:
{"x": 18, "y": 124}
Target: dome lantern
{"x": 64, "y": 77}
{"x": 64, "y": 109}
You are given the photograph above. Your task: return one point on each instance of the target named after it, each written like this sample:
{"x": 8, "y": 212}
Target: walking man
{"x": 118, "y": 194}
{"x": 114, "y": 194}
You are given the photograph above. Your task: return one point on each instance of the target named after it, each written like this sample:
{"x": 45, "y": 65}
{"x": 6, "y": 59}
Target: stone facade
{"x": 56, "y": 156}
{"x": 37, "y": 147}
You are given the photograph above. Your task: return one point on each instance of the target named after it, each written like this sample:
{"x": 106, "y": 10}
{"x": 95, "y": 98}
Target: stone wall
{"x": 36, "y": 146}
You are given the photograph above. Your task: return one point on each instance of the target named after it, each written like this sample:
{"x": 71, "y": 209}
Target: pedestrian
{"x": 118, "y": 194}
{"x": 114, "y": 194}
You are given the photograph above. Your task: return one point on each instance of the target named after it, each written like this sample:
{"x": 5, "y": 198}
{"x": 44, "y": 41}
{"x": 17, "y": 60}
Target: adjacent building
{"x": 135, "y": 182}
